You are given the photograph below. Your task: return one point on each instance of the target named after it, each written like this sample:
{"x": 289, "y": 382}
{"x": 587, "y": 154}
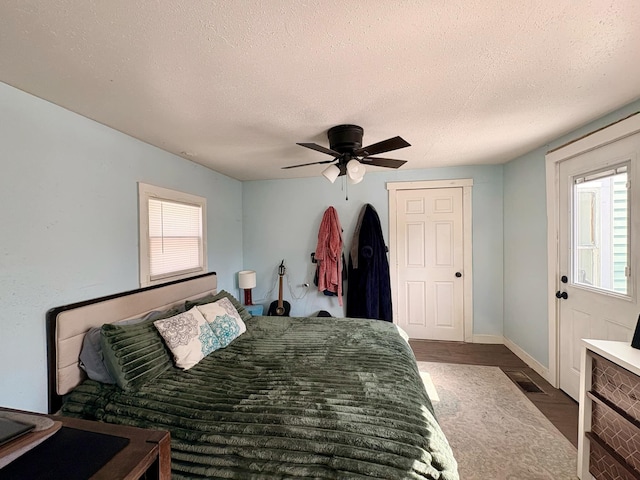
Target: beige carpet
{"x": 494, "y": 430}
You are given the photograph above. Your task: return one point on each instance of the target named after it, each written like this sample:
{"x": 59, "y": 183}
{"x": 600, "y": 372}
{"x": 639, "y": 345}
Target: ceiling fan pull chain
{"x": 345, "y": 187}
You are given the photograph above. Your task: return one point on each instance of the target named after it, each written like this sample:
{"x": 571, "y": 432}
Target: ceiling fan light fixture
{"x": 354, "y": 181}
{"x": 355, "y": 170}
{"x": 345, "y": 142}
{"x": 353, "y": 165}
{"x": 331, "y": 173}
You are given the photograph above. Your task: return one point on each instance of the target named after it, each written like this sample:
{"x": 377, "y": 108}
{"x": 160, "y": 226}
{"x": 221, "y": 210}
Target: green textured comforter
{"x": 291, "y": 398}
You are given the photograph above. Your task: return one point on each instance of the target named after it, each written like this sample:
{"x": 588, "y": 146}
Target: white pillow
{"x": 224, "y": 319}
{"x": 189, "y": 337}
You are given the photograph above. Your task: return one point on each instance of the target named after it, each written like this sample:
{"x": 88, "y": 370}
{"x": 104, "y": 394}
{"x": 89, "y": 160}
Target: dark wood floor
{"x": 556, "y": 405}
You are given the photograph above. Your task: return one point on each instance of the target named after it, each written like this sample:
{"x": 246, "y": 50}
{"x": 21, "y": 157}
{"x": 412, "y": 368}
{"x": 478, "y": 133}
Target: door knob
{"x": 458, "y": 274}
{"x": 560, "y": 294}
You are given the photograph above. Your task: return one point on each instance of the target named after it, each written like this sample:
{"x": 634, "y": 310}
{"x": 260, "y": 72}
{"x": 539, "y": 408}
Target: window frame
{"x": 146, "y": 192}
{"x": 603, "y": 172}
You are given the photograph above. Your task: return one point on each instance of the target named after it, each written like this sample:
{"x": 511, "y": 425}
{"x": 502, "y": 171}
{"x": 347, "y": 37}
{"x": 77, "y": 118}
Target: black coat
{"x": 369, "y": 287}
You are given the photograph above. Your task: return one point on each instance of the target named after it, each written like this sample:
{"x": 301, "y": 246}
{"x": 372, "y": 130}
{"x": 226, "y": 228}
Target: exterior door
{"x": 598, "y": 214}
{"x": 429, "y": 256}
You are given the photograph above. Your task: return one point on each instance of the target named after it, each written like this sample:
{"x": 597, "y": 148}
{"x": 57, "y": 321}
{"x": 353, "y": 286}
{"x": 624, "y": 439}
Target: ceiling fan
{"x": 346, "y": 148}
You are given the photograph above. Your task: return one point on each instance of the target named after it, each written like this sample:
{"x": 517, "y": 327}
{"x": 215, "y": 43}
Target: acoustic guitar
{"x": 279, "y": 308}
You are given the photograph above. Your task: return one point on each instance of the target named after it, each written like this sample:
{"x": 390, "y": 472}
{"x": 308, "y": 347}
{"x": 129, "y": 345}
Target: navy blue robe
{"x": 369, "y": 286}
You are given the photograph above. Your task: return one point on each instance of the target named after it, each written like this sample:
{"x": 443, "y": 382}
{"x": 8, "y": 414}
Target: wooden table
{"x": 148, "y": 454}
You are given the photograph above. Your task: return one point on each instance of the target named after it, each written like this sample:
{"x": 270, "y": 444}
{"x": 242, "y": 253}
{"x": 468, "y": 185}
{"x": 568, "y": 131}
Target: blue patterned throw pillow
{"x": 188, "y": 336}
{"x": 225, "y": 328}
{"x": 224, "y": 320}
{"x": 209, "y": 340}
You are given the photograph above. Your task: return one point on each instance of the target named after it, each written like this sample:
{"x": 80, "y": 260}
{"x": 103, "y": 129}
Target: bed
{"x": 312, "y": 397}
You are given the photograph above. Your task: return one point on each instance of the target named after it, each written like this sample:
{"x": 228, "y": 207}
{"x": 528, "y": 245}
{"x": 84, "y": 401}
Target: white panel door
{"x": 598, "y": 219}
{"x": 429, "y": 232}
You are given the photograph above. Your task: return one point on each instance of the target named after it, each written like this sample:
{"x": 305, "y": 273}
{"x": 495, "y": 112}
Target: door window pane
{"x": 601, "y": 230}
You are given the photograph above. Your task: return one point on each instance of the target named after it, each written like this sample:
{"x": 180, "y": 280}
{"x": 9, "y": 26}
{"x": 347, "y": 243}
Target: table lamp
{"x": 247, "y": 281}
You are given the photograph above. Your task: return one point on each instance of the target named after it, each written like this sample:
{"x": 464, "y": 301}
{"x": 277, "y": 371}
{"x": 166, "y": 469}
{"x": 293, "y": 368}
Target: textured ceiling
{"x": 234, "y": 84}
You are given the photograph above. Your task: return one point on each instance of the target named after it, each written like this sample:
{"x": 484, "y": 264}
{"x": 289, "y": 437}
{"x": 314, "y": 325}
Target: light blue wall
{"x": 282, "y": 217}
{"x": 525, "y": 242}
{"x": 68, "y": 210}
{"x": 525, "y": 256}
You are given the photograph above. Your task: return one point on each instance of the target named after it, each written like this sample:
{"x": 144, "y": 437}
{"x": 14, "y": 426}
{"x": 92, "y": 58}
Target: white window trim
{"x": 145, "y": 192}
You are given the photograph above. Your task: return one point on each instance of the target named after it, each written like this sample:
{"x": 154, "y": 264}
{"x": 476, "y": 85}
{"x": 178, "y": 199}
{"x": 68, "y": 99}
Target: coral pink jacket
{"x": 329, "y": 254}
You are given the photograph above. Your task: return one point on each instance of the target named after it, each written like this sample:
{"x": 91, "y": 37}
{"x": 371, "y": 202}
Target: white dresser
{"x": 609, "y": 423}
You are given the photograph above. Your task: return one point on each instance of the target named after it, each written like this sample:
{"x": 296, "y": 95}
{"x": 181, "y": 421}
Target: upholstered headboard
{"x": 67, "y": 325}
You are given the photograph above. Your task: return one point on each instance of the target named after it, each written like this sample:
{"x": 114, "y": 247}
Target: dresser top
{"x": 618, "y": 352}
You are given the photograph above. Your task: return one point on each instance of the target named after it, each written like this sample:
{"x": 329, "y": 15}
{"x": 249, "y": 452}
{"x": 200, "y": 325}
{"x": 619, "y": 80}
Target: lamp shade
{"x": 354, "y": 181}
{"x": 353, "y": 166}
{"x": 357, "y": 171}
{"x": 247, "y": 279}
{"x": 331, "y": 173}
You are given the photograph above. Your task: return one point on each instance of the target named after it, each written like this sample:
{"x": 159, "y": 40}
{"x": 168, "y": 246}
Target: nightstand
{"x": 255, "y": 310}
{"x": 147, "y": 453}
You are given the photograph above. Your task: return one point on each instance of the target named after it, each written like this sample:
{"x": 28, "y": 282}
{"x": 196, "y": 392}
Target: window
{"x": 173, "y": 243}
{"x": 601, "y": 230}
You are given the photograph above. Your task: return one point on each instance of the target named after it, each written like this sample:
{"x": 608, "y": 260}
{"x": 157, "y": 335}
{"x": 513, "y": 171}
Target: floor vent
{"x": 524, "y": 382}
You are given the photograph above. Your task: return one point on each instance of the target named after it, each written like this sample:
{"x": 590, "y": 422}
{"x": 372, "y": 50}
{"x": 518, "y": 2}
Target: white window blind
{"x": 173, "y": 242}
{"x": 175, "y": 237}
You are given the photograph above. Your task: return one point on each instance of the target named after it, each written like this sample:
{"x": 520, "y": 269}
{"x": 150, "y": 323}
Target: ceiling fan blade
{"x": 320, "y": 148}
{"x": 383, "y": 162}
{"x": 306, "y": 164}
{"x": 384, "y": 146}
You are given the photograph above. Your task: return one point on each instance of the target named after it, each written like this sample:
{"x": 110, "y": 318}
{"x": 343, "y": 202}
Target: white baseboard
{"x": 528, "y": 359}
{"x": 493, "y": 339}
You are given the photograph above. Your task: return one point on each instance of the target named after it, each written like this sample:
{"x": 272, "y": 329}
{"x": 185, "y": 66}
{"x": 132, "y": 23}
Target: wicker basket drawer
{"x": 617, "y": 385}
{"x": 604, "y": 467}
{"x": 618, "y": 433}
